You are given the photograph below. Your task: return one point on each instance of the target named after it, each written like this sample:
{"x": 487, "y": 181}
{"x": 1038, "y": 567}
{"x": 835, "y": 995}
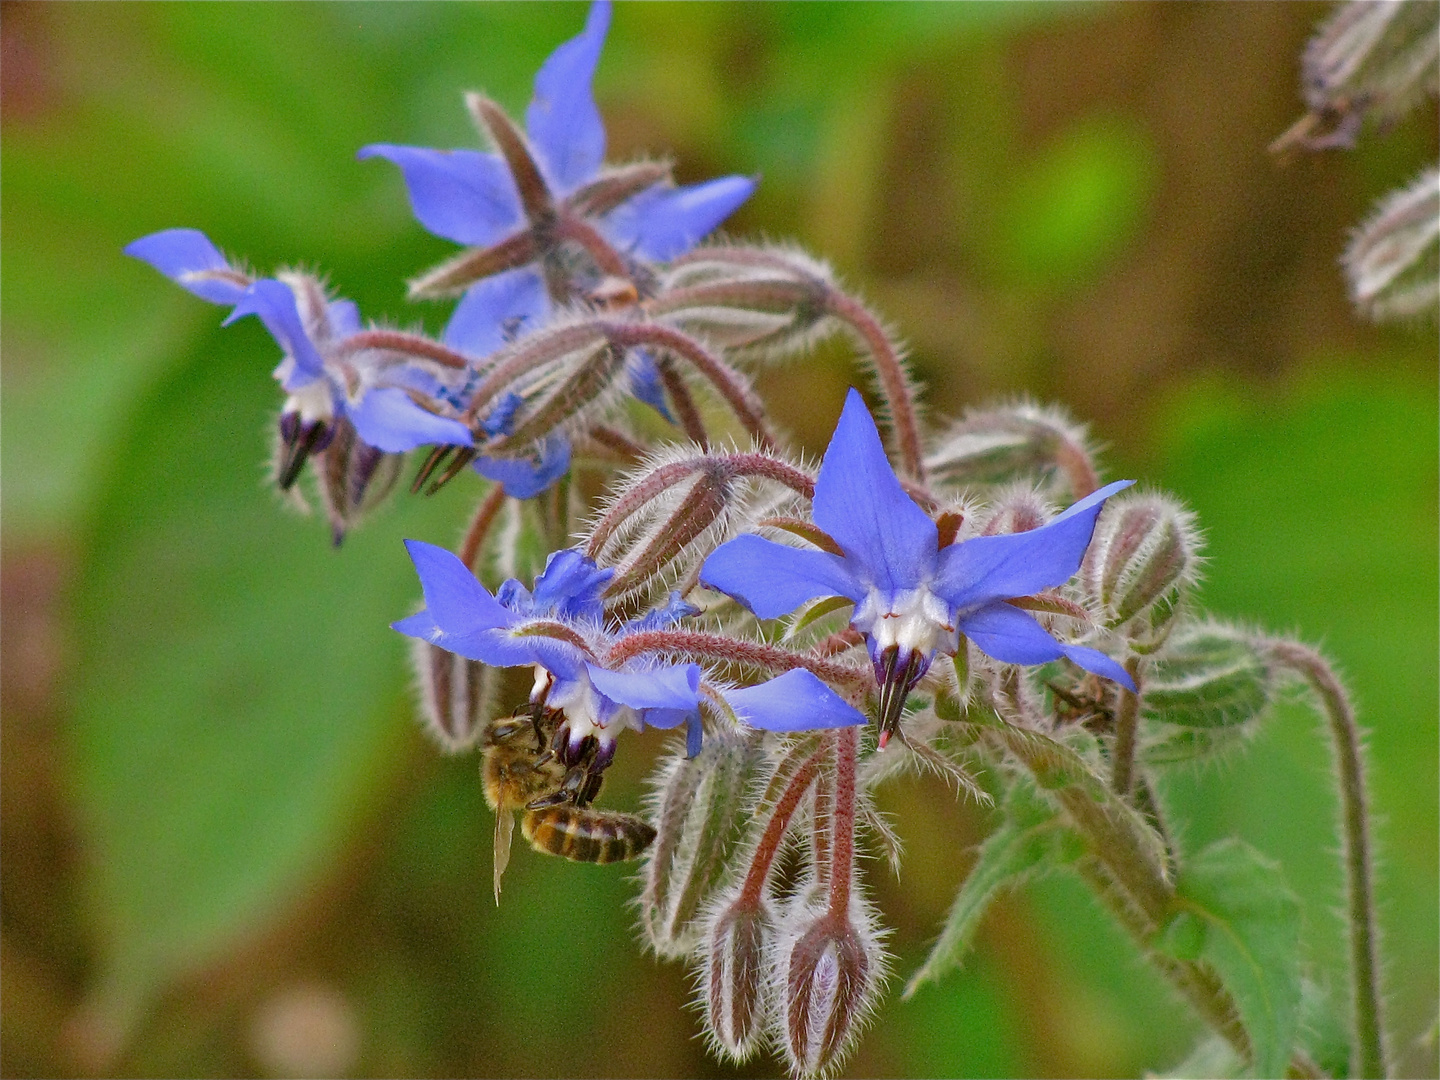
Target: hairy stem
{"x": 842, "y": 823}
{"x": 1127, "y": 724}
{"x": 768, "y": 846}
{"x": 1368, "y": 1053}
{"x": 689, "y": 416}
{"x": 727, "y": 650}
{"x": 479, "y": 527}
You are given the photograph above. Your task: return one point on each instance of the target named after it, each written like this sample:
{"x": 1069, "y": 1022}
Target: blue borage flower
{"x": 312, "y": 331}
{"x": 559, "y": 628}
{"x": 912, "y": 598}
{"x": 515, "y": 205}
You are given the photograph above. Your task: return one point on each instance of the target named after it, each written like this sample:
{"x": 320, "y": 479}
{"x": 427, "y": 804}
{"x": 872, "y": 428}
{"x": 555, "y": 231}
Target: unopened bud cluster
{"x": 671, "y": 560}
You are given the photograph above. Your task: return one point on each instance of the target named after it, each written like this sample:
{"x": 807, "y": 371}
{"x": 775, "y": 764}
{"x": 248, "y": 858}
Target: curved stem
{"x": 397, "y": 341}
{"x": 1368, "y": 1054}
{"x": 729, "y": 650}
{"x": 690, "y": 420}
{"x": 763, "y": 857}
{"x": 1127, "y": 724}
{"x": 479, "y": 527}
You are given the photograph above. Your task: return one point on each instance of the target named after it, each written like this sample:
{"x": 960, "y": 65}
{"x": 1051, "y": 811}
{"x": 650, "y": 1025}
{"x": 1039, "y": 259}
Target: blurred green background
{"x": 227, "y": 848}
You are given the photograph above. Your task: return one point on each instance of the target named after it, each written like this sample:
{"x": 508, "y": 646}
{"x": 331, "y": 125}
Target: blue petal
{"x": 274, "y": 303}
{"x": 668, "y": 718}
{"x": 501, "y": 419}
{"x": 462, "y": 195}
{"x": 675, "y": 686}
{"x": 645, "y": 384}
{"x": 454, "y": 600}
{"x": 562, "y": 121}
{"x": 1096, "y": 661}
{"x": 570, "y": 586}
{"x": 888, "y": 540}
{"x": 981, "y": 570}
{"x": 496, "y": 310}
{"x": 344, "y": 318}
{"x": 524, "y": 478}
{"x": 188, "y": 258}
{"x": 663, "y": 222}
{"x": 388, "y": 419}
{"x": 771, "y": 579}
{"x": 795, "y": 701}
{"x": 672, "y": 612}
{"x": 516, "y": 597}
{"x": 694, "y": 734}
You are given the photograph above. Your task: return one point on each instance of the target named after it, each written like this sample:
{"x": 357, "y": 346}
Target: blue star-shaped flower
{"x": 504, "y": 630}
{"x": 309, "y": 329}
{"x": 911, "y": 596}
{"x": 511, "y": 207}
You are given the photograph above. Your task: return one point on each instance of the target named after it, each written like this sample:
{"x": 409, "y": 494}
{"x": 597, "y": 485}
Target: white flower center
{"x": 312, "y": 401}
{"x": 914, "y": 619}
{"x": 586, "y": 711}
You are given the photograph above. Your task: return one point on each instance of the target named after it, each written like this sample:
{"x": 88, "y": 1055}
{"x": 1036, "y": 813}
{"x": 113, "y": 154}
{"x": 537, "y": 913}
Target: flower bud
{"x": 1393, "y": 260}
{"x": 733, "y": 976}
{"x": 827, "y": 980}
{"x": 993, "y": 446}
{"x": 1141, "y": 562}
{"x": 583, "y": 382}
{"x": 1017, "y": 510}
{"x": 457, "y": 696}
{"x": 698, "y": 811}
{"x": 353, "y": 477}
{"x": 1207, "y": 688}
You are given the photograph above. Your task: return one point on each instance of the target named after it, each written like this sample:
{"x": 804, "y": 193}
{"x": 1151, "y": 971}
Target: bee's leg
{"x": 595, "y": 772}
{"x": 568, "y": 792}
{"x": 501, "y": 730}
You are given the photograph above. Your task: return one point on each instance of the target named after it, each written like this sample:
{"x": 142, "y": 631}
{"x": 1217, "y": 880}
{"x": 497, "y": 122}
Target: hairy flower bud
{"x": 353, "y": 477}
{"x": 1205, "y": 692}
{"x": 991, "y": 446}
{"x": 733, "y": 976}
{"x": 828, "y": 974}
{"x": 457, "y": 695}
{"x": 698, "y": 813}
{"x": 1141, "y": 561}
{"x": 1393, "y": 260}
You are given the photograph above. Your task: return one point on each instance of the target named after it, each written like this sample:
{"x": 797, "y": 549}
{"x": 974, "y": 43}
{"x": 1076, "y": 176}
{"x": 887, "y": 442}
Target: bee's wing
{"x": 504, "y": 829}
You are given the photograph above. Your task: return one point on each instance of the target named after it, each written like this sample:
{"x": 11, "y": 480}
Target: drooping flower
{"x": 544, "y": 189}
{"x": 333, "y": 377}
{"x": 559, "y": 629}
{"x": 912, "y": 598}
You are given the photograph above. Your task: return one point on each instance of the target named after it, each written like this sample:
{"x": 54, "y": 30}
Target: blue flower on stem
{"x": 912, "y": 598}
{"x": 558, "y": 628}
{"x": 544, "y": 187}
{"x": 325, "y": 379}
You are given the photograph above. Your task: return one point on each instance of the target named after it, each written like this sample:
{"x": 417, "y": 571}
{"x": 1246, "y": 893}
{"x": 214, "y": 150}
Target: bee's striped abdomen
{"x": 584, "y": 835}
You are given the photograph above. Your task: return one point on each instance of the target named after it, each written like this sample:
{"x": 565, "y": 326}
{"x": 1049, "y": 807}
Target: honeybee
{"x": 529, "y": 766}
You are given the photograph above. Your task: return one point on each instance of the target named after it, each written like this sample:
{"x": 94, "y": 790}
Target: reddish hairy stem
{"x": 770, "y": 840}
{"x": 1368, "y": 1053}
{"x": 409, "y": 344}
{"x": 690, "y": 421}
{"x": 719, "y": 647}
{"x": 480, "y": 524}
{"x": 893, "y": 381}
{"x": 724, "y": 378}
{"x": 617, "y": 441}
{"x": 842, "y": 823}
{"x": 1079, "y": 470}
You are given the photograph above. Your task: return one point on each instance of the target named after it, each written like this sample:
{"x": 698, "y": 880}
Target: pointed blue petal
{"x": 188, "y": 258}
{"x": 889, "y": 542}
{"x": 462, "y": 195}
{"x": 570, "y": 586}
{"x": 675, "y": 686}
{"x": 562, "y": 121}
{"x": 1096, "y": 661}
{"x": 497, "y": 310}
{"x": 456, "y": 602}
{"x": 388, "y": 419}
{"x": 421, "y": 625}
{"x": 694, "y": 734}
{"x": 978, "y": 571}
{"x": 274, "y": 303}
{"x": 667, "y": 718}
{"x": 1009, "y": 635}
{"x": 771, "y": 579}
{"x": 645, "y": 384}
{"x": 524, "y": 478}
{"x": 663, "y": 222}
{"x": 344, "y": 318}
{"x": 795, "y": 701}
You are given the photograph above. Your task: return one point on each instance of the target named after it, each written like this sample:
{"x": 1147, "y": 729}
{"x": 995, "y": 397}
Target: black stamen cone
{"x": 463, "y": 456}
{"x": 896, "y": 680}
{"x": 430, "y": 464}
{"x": 299, "y": 441}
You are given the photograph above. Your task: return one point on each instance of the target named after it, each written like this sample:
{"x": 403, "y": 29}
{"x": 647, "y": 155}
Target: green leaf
{"x": 238, "y": 694}
{"x": 1210, "y": 676}
{"x": 1235, "y": 912}
{"x": 1031, "y": 837}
